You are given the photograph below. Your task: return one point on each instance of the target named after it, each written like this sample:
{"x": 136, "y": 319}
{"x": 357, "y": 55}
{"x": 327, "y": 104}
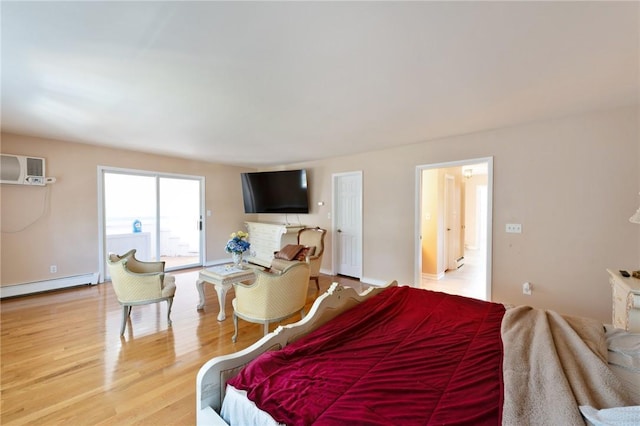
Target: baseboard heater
{"x": 459, "y": 262}
{"x": 47, "y": 285}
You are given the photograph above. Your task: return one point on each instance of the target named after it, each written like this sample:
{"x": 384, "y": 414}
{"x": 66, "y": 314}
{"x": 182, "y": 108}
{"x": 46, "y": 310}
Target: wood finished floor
{"x": 63, "y": 361}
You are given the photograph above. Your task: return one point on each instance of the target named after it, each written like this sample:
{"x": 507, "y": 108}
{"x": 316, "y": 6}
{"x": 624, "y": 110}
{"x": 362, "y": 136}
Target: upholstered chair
{"x": 139, "y": 283}
{"x": 272, "y": 297}
{"x": 311, "y": 249}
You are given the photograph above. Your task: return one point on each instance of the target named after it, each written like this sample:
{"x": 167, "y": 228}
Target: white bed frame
{"x": 214, "y": 374}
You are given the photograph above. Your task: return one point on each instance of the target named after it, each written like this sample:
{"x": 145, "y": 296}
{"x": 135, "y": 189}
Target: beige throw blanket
{"x": 553, "y": 364}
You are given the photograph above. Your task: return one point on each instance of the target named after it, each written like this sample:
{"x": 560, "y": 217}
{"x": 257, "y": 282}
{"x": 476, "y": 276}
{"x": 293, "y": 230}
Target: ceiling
{"x": 274, "y": 83}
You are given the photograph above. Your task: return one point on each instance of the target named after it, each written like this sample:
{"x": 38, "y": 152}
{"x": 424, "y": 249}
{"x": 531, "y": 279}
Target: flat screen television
{"x": 275, "y": 192}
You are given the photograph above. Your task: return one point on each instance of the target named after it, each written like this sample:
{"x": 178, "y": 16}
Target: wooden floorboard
{"x": 63, "y": 361}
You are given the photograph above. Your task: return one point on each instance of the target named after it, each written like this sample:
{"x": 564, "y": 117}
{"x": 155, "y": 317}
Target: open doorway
{"x": 453, "y": 211}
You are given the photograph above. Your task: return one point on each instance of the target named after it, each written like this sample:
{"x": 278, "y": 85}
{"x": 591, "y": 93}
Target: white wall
{"x": 572, "y": 183}
{"x": 58, "y": 224}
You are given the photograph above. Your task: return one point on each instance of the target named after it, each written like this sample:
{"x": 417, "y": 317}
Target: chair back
{"x": 312, "y": 237}
{"x": 131, "y": 286}
{"x": 274, "y": 296}
{"x": 140, "y": 267}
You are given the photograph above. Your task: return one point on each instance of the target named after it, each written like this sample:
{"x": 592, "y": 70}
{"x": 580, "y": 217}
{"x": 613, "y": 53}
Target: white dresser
{"x": 267, "y": 238}
{"x": 626, "y": 301}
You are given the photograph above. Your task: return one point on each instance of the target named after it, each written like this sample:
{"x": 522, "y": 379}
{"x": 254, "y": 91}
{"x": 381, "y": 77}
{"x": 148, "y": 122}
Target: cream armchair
{"x": 139, "y": 283}
{"x": 271, "y": 297}
{"x": 312, "y": 238}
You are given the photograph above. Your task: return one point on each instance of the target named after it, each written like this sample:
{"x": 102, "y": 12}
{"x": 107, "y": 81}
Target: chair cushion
{"x": 306, "y": 251}
{"x": 279, "y": 265}
{"x": 168, "y": 286}
{"x": 288, "y": 252}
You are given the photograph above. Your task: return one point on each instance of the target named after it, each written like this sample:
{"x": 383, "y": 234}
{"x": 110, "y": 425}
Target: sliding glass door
{"x": 159, "y": 215}
{"x": 180, "y": 222}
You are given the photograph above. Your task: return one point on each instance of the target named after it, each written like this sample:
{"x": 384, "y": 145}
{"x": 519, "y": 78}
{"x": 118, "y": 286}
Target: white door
{"x": 481, "y": 215}
{"x": 452, "y": 223}
{"x": 180, "y": 221}
{"x": 347, "y": 224}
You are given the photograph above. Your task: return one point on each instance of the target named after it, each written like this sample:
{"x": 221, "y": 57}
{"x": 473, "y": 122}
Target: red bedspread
{"x": 406, "y": 356}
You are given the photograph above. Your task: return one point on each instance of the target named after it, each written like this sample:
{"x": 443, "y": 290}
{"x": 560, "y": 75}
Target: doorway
{"x": 159, "y": 215}
{"x": 453, "y": 225}
{"x": 347, "y": 224}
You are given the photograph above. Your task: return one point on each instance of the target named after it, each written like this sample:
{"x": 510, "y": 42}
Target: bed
{"x": 399, "y": 355}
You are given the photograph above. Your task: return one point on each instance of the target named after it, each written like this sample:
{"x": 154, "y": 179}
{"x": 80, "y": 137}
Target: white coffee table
{"x": 222, "y": 277}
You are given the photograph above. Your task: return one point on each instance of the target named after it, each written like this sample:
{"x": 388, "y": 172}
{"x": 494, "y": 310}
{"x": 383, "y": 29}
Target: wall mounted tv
{"x": 275, "y": 192}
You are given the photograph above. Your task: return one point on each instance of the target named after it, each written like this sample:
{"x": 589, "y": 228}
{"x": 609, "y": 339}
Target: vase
{"x": 237, "y": 259}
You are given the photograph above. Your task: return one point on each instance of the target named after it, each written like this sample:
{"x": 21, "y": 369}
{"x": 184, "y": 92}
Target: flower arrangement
{"x": 238, "y": 243}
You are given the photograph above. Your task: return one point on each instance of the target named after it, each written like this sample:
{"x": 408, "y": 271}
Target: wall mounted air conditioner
{"x": 22, "y": 170}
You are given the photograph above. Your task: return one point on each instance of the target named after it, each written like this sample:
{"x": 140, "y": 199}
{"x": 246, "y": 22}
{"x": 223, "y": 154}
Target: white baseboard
{"x": 373, "y": 281}
{"x": 55, "y": 284}
{"x": 326, "y": 271}
{"x": 433, "y": 276}
{"x": 364, "y": 280}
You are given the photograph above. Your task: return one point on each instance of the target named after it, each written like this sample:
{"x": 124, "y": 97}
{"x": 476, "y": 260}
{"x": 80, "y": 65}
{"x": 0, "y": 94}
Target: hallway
{"x": 468, "y": 280}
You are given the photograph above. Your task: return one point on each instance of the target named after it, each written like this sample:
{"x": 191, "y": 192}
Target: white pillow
{"x": 624, "y": 358}
{"x": 619, "y": 416}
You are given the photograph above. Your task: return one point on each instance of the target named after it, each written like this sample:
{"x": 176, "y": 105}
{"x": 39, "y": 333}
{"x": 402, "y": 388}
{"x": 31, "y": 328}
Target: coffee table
{"x": 222, "y": 277}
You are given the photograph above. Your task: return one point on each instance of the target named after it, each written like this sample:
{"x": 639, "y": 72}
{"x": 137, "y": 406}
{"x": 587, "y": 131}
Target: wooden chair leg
{"x": 317, "y": 282}
{"x": 126, "y": 310}
{"x": 169, "y": 304}
{"x": 235, "y": 327}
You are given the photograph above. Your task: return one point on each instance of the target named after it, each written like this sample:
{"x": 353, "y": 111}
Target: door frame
{"x": 101, "y": 170}
{"x": 418, "y": 212}
{"x": 334, "y": 231}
